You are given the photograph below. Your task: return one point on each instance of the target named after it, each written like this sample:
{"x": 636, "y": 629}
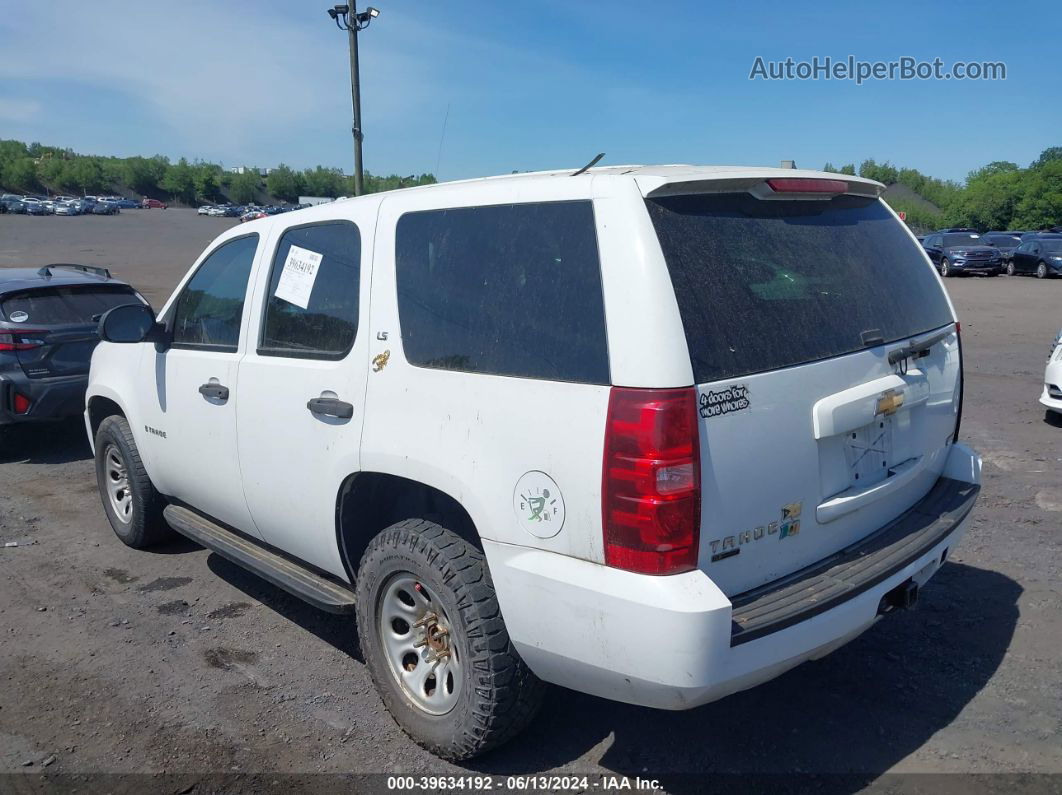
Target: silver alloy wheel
{"x": 117, "y": 483}
{"x": 1041, "y": 271}
{"x": 416, "y": 638}
{"x": 944, "y": 267}
{"x": 1010, "y": 269}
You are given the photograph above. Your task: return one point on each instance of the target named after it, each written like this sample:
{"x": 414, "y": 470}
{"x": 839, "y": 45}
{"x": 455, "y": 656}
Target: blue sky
{"x": 528, "y": 85}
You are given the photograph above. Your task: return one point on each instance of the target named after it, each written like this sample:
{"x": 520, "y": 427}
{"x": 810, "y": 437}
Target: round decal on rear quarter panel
{"x": 18, "y": 317}
{"x": 539, "y": 504}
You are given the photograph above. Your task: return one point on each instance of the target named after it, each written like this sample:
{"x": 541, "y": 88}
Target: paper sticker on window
{"x": 298, "y": 276}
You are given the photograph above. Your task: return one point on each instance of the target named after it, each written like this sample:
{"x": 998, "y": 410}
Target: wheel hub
{"x": 417, "y": 641}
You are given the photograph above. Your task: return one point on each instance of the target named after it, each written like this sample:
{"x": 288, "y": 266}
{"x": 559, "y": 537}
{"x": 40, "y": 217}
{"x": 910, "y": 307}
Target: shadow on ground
{"x": 338, "y": 631}
{"x": 847, "y": 718}
{"x": 45, "y": 443}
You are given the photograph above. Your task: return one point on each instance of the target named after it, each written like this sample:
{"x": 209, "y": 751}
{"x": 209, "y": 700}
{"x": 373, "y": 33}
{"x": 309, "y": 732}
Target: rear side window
{"x": 507, "y": 289}
{"x": 210, "y": 309}
{"x": 768, "y": 284}
{"x": 72, "y": 304}
{"x": 312, "y": 305}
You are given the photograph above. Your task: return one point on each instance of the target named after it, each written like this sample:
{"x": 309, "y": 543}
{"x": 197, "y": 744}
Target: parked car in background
{"x": 1041, "y": 255}
{"x": 105, "y": 208}
{"x": 14, "y": 205}
{"x": 128, "y": 204}
{"x": 85, "y": 205}
{"x": 962, "y": 252}
{"x": 34, "y": 207}
{"x": 1052, "y": 394}
{"x": 217, "y": 212}
{"x": 233, "y": 211}
{"x": 67, "y": 208}
{"x": 752, "y": 462}
{"x": 252, "y": 215}
{"x": 149, "y": 204}
{"x": 48, "y": 319}
{"x": 1004, "y": 242}
{"x": 204, "y": 209}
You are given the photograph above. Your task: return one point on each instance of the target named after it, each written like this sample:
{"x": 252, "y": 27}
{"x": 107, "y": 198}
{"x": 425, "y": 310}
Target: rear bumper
{"x": 672, "y": 642}
{"x": 50, "y": 398}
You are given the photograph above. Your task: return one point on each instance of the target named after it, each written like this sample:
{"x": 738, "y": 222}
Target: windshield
{"x": 962, "y": 239}
{"x": 73, "y": 304}
{"x": 767, "y": 284}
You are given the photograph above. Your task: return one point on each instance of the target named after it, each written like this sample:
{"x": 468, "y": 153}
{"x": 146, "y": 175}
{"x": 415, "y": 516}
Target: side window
{"x": 210, "y": 309}
{"x": 507, "y": 289}
{"x": 931, "y": 241}
{"x": 312, "y": 305}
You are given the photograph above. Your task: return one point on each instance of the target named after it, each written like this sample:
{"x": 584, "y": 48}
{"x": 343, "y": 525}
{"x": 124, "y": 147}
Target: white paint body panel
{"x": 274, "y": 470}
{"x": 1053, "y": 375}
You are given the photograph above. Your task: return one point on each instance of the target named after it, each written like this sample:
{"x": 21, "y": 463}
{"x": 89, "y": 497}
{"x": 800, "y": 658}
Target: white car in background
{"x": 67, "y": 208}
{"x": 1052, "y": 396}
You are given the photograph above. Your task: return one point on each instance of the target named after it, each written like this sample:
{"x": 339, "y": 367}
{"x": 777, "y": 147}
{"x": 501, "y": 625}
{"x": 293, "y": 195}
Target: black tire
{"x": 945, "y": 268}
{"x": 1010, "y": 269}
{"x": 498, "y": 694}
{"x": 1041, "y": 270}
{"x": 143, "y": 525}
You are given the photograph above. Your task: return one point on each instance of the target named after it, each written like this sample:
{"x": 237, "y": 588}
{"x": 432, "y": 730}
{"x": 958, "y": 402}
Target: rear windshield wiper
{"x": 913, "y": 350}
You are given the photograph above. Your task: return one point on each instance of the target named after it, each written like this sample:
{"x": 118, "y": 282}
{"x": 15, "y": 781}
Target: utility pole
{"x": 347, "y": 18}
{"x": 355, "y": 97}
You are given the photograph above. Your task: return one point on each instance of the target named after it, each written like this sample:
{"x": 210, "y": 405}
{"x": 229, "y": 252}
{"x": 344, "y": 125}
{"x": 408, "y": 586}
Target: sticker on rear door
{"x": 725, "y": 401}
{"x": 298, "y": 276}
{"x": 18, "y": 317}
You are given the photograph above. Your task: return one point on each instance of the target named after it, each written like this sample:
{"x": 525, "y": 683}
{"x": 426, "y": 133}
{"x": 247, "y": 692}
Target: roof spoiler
{"x": 46, "y": 271}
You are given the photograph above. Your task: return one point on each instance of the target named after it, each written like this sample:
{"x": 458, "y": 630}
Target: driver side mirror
{"x": 131, "y": 323}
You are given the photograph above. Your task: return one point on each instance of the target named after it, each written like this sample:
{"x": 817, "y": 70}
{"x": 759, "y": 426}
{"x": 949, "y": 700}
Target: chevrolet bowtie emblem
{"x": 889, "y": 401}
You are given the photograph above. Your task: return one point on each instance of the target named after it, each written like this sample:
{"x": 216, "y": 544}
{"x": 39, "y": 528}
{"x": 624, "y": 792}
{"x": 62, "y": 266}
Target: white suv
{"x": 652, "y": 433}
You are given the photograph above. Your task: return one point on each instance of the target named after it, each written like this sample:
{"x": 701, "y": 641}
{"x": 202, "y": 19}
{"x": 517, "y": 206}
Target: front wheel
{"x": 1010, "y": 269}
{"x": 435, "y": 643}
{"x": 945, "y": 268}
{"x": 1041, "y": 271}
{"x": 133, "y": 506}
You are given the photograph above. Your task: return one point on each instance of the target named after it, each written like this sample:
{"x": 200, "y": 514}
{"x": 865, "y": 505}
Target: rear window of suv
{"x": 59, "y": 305}
{"x": 767, "y": 284}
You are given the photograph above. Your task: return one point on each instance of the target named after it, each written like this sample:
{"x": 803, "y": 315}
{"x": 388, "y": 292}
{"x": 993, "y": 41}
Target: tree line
{"x": 1001, "y": 195}
{"x": 34, "y": 167}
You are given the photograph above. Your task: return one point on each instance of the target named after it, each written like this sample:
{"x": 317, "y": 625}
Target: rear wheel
{"x": 1041, "y": 271}
{"x": 133, "y": 506}
{"x": 1010, "y": 269}
{"x": 945, "y": 268}
{"x": 435, "y": 643}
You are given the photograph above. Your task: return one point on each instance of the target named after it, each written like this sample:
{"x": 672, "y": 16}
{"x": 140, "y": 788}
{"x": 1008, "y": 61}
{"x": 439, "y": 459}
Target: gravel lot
{"x": 176, "y": 661}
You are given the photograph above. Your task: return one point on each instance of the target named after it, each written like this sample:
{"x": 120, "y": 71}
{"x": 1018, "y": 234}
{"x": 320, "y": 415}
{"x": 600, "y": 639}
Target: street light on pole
{"x": 348, "y": 18}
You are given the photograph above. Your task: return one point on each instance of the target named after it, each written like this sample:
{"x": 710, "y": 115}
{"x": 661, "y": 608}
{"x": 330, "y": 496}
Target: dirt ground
{"x": 116, "y": 661}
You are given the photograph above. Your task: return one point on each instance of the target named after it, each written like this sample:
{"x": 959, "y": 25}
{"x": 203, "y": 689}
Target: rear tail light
{"x": 17, "y": 341}
{"x": 20, "y": 403}
{"x": 651, "y": 480}
{"x": 804, "y": 185}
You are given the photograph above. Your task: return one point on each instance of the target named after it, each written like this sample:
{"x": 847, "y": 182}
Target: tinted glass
{"x": 508, "y": 289}
{"x": 326, "y": 325}
{"x": 57, "y": 305}
{"x": 962, "y": 239}
{"x": 768, "y": 284}
{"x": 1054, "y": 246}
{"x": 210, "y": 310}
